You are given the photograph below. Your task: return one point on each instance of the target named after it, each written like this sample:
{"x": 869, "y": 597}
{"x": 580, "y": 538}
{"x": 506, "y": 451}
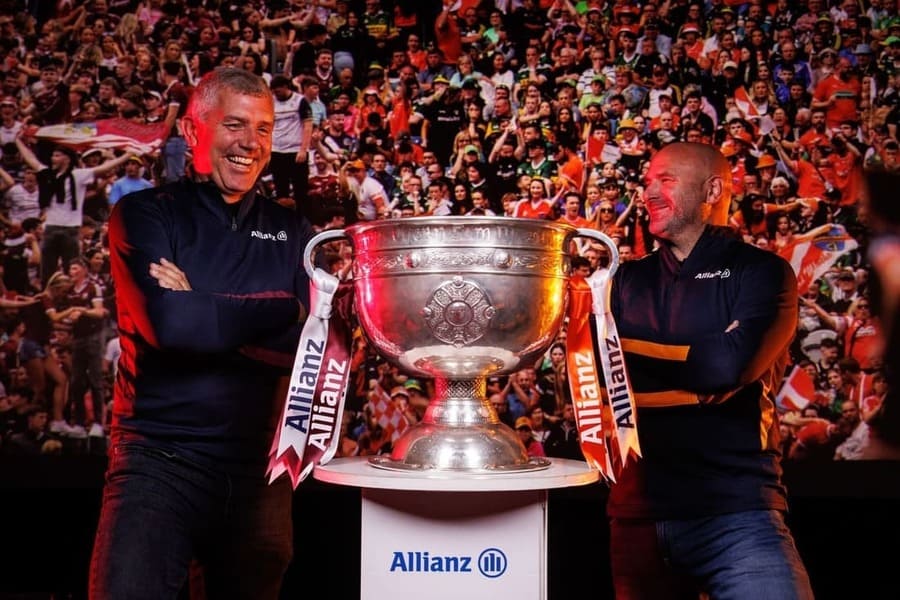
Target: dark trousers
{"x": 60, "y": 245}
{"x": 291, "y": 180}
{"x": 161, "y": 510}
{"x": 744, "y": 555}
{"x": 87, "y": 373}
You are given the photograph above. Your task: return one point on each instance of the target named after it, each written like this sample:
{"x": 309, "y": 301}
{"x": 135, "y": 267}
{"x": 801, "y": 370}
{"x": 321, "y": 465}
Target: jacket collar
{"x": 707, "y": 252}
{"x": 209, "y": 196}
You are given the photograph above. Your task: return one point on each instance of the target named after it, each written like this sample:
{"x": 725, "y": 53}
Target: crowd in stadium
{"x": 388, "y": 110}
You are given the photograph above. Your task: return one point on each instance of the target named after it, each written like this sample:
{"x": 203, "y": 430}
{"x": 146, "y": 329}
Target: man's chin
{"x": 657, "y": 230}
{"x": 235, "y": 187}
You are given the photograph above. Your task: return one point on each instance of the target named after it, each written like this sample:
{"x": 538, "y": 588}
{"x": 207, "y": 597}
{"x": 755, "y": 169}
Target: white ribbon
{"x": 615, "y": 375}
{"x": 290, "y": 439}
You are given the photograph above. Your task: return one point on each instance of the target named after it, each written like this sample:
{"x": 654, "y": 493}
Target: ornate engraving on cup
{"x": 383, "y": 263}
{"x": 503, "y": 259}
{"x": 458, "y": 312}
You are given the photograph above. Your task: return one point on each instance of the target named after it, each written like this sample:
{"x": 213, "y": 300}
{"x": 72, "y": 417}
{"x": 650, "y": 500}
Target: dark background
{"x": 845, "y": 517}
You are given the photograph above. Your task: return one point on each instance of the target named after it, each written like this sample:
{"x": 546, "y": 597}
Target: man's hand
{"x": 169, "y": 276}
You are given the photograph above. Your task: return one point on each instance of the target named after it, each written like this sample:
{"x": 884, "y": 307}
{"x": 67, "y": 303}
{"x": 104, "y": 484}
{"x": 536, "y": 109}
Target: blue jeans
{"x": 746, "y": 555}
{"x": 161, "y": 510}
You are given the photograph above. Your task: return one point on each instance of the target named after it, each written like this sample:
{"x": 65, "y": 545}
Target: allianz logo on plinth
{"x": 491, "y": 562}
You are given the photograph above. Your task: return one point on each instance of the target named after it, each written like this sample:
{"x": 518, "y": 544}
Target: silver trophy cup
{"x": 459, "y": 299}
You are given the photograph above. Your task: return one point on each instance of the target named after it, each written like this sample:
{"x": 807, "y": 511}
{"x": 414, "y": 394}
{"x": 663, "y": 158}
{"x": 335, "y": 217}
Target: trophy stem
{"x": 460, "y": 432}
{"x": 460, "y": 402}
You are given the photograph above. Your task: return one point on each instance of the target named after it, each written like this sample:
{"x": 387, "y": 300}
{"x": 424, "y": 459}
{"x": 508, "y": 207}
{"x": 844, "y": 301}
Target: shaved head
{"x": 688, "y": 187}
{"x": 704, "y": 168}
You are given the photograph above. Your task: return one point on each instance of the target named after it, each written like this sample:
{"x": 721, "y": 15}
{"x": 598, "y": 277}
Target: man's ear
{"x": 189, "y": 130}
{"x": 714, "y": 189}
{"x": 715, "y": 206}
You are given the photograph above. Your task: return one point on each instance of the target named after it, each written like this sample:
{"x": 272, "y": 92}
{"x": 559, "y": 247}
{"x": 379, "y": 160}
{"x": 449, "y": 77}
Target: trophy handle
{"x": 314, "y": 242}
{"x": 606, "y": 241}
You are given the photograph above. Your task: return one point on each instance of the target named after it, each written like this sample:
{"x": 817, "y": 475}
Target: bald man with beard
{"x": 705, "y": 323}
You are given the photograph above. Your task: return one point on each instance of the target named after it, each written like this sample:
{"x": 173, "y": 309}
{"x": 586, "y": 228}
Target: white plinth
{"x": 451, "y": 536}
{"x": 358, "y": 472}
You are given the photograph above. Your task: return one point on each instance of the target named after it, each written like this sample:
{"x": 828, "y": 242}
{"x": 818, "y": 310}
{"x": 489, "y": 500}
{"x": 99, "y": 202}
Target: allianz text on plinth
{"x": 490, "y": 562}
{"x": 454, "y": 545}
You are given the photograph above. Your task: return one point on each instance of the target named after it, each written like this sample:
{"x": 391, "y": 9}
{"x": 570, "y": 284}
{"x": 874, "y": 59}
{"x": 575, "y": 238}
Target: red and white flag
{"x": 744, "y": 104}
{"x": 797, "y": 390}
{"x": 812, "y": 258}
{"x": 387, "y": 413}
{"x": 105, "y": 133}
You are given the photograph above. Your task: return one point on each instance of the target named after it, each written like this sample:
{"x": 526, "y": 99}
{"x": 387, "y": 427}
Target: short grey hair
{"x": 207, "y": 93}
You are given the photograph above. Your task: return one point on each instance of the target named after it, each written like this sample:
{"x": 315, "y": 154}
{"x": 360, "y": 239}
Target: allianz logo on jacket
{"x": 720, "y": 274}
{"x": 281, "y": 236}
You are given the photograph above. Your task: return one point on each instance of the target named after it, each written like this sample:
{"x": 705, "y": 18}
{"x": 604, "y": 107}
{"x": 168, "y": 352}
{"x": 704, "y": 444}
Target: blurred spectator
{"x": 860, "y": 332}
{"x": 533, "y": 447}
{"x": 35, "y": 439}
{"x": 61, "y": 191}
{"x": 540, "y": 425}
{"x": 291, "y": 139}
{"x": 562, "y": 440}
{"x": 816, "y": 441}
{"x": 523, "y": 392}
{"x": 501, "y": 406}
{"x": 175, "y": 91}
{"x": 852, "y": 447}
{"x": 419, "y": 397}
{"x": 132, "y": 181}
{"x": 374, "y": 439}
{"x": 372, "y": 200}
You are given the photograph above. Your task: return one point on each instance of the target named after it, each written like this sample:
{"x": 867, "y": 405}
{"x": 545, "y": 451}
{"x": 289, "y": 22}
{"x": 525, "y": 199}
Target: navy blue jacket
{"x": 199, "y": 369}
{"x": 705, "y": 398}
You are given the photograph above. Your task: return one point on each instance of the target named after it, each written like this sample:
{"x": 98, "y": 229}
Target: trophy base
{"x": 471, "y": 449}
{"x": 389, "y": 464}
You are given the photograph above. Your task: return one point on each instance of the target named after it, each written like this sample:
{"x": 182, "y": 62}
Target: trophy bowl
{"x": 459, "y": 299}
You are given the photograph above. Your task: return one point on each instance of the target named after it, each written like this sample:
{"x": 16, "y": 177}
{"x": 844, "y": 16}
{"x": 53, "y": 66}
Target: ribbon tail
{"x": 286, "y": 463}
{"x": 584, "y": 381}
{"x": 619, "y": 394}
{"x": 624, "y": 410}
{"x": 331, "y": 384}
{"x": 292, "y": 434}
